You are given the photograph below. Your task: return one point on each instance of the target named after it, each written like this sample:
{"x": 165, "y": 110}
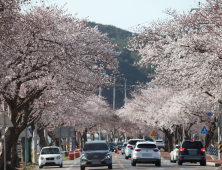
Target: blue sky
{"x": 125, "y": 14}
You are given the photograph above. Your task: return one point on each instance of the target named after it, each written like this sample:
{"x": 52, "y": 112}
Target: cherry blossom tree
{"x": 43, "y": 50}
{"x": 186, "y": 50}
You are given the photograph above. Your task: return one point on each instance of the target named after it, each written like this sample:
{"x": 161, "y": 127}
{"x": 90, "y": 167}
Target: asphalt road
{"x": 120, "y": 163}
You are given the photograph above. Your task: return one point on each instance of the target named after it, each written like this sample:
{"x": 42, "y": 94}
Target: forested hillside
{"x": 126, "y": 59}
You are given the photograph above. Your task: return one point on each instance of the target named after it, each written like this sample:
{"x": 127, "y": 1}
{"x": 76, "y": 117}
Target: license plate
{"x": 96, "y": 161}
{"x": 147, "y": 154}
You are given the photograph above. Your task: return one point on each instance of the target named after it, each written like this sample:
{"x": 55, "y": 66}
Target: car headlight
{"x": 107, "y": 156}
{"x": 58, "y": 157}
{"x": 42, "y": 158}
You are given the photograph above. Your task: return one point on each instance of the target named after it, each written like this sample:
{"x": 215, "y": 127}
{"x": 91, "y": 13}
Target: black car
{"x": 119, "y": 145}
{"x": 94, "y": 154}
{"x": 192, "y": 151}
{"x": 112, "y": 147}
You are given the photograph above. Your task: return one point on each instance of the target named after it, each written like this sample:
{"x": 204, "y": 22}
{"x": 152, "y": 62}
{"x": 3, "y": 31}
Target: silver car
{"x": 50, "y": 156}
{"x": 146, "y": 152}
{"x": 130, "y": 146}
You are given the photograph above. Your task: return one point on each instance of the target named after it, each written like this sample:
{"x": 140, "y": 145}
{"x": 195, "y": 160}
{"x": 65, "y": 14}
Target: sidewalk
{"x": 209, "y": 159}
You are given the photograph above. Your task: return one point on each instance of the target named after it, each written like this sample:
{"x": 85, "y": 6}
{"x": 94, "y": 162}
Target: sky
{"x": 124, "y": 14}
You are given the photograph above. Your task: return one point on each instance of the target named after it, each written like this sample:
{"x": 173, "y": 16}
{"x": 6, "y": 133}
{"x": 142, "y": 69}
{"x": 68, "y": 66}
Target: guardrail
{"x": 212, "y": 151}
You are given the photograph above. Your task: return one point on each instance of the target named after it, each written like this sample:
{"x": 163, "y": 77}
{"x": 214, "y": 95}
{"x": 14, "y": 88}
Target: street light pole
{"x": 219, "y": 130}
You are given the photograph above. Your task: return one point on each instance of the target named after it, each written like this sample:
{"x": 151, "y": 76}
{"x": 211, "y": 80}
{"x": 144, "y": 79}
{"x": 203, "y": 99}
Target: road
{"x": 120, "y": 163}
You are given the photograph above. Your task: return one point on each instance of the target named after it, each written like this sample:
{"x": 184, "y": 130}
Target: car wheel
{"x": 179, "y": 162}
{"x": 133, "y": 163}
{"x": 82, "y": 167}
{"x": 110, "y": 166}
{"x": 203, "y": 163}
{"x": 61, "y": 165}
{"x": 126, "y": 157}
{"x": 40, "y": 167}
{"x": 158, "y": 163}
{"x": 170, "y": 159}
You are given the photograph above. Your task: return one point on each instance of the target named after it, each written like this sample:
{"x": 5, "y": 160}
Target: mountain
{"x": 126, "y": 59}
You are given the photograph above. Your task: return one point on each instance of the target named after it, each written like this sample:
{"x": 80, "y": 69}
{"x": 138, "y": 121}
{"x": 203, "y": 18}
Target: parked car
{"x": 160, "y": 143}
{"x": 130, "y": 146}
{"x": 174, "y": 154}
{"x": 192, "y": 151}
{"x": 146, "y": 152}
{"x": 50, "y": 156}
{"x": 94, "y": 154}
{"x": 123, "y": 148}
{"x": 112, "y": 147}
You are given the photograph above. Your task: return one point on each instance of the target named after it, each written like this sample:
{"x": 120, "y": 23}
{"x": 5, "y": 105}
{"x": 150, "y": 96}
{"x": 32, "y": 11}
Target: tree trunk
{"x": 40, "y": 132}
{"x": 169, "y": 140}
{"x": 23, "y": 149}
{"x": 85, "y": 135}
{"x": 15, "y": 158}
{"x": 210, "y": 134}
{"x": 11, "y": 137}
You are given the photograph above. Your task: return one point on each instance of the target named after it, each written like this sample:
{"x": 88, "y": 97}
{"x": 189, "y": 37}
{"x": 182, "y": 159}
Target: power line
{"x": 150, "y": 21}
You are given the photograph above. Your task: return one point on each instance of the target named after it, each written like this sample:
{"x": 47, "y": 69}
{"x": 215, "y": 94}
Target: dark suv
{"x": 96, "y": 153}
{"x": 192, "y": 151}
{"x": 112, "y": 146}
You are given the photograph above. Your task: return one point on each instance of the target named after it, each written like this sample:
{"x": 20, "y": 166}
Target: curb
{"x": 208, "y": 163}
{"x": 214, "y": 164}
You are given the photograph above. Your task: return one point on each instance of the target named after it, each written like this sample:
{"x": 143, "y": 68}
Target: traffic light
{"x": 220, "y": 147}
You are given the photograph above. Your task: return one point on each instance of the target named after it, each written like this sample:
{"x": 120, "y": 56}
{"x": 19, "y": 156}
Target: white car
{"x": 146, "y": 152}
{"x": 130, "y": 146}
{"x": 160, "y": 143}
{"x": 50, "y": 156}
{"x": 174, "y": 154}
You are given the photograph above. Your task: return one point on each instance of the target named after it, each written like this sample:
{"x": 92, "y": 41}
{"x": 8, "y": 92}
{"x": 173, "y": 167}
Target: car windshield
{"x": 50, "y": 151}
{"x": 124, "y": 144}
{"x": 146, "y": 146}
{"x": 192, "y": 145}
{"x": 112, "y": 144}
{"x": 160, "y": 141}
{"x": 120, "y": 143}
{"x": 133, "y": 142}
{"x": 95, "y": 146}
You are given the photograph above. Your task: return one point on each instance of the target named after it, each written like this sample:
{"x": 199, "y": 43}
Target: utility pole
{"x": 4, "y": 126}
{"x": 100, "y": 97}
{"x": 114, "y": 94}
{"x": 219, "y": 129}
{"x": 125, "y": 92}
{"x": 125, "y": 105}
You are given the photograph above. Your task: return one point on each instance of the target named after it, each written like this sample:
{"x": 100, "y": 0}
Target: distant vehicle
{"x": 94, "y": 154}
{"x": 149, "y": 139}
{"x": 174, "y": 154}
{"x": 119, "y": 145}
{"x": 50, "y": 156}
{"x": 112, "y": 146}
{"x": 123, "y": 148}
{"x": 146, "y": 152}
{"x": 160, "y": 143}
{"x": 192, "y": 151}
{"x": 130, "y": 146}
